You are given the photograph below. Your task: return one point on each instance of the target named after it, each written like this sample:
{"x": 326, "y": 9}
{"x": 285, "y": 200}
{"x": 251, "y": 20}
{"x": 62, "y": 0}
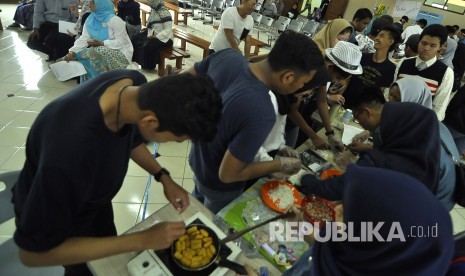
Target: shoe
{"x": 14, "y": 25}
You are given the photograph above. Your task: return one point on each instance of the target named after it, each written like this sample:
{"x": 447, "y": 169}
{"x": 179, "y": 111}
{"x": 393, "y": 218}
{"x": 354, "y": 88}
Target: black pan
{"x": 219, "y": 260}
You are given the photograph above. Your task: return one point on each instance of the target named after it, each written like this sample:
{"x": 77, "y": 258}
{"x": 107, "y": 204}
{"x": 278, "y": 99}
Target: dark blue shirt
{"x": 248, "y": 116}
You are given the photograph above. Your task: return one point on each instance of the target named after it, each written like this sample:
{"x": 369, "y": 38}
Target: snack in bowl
{"x": 280, "y": 196}
{"x": 195, "y": 249}
{"x": 318, "y": 210}
{"x": 330, "y": 174}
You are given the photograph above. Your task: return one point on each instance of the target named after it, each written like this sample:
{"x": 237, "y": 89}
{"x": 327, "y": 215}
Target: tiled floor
{"x": 25, "y": 74}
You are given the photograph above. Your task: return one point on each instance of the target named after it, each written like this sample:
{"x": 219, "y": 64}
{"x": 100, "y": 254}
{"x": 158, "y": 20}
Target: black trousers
{"x": 147, "y": 51}
{"x": 51, "y": 42}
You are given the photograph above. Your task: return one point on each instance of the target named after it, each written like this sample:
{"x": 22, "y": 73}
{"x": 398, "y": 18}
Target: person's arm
{"x": 175, "y": 194}
{"x": 39, "y": 14}
{"x": 441, "y": 98}
{"x": 247, "y": 45}
{"x": 232, "y": 41}
{"x": 233, "y": 170}
{"x": 83, "y": 249}
{"x": 81, "y": 43}
{"x": 331, "y": 189}
{"x": 299, "y": 120}
{"x": 322, "y": 106}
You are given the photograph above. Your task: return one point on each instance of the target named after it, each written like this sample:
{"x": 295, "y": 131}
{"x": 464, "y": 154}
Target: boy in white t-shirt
{"x": 236, "y": 26}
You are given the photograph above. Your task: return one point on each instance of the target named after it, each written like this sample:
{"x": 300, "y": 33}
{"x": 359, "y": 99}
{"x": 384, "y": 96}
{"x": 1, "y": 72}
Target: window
{"x": 456, "y": 6}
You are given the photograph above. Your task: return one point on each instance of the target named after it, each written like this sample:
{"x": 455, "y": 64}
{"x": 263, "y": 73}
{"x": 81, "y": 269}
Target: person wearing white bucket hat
{"x": 346, "y": 56}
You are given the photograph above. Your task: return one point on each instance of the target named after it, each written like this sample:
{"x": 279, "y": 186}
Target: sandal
{"x": 14, "y": 25}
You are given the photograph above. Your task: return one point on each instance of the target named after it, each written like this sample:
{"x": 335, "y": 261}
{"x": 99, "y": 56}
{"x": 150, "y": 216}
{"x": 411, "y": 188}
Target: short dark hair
{"x": 436, "y": 30}
{"x": 184, "y": 105}
{"x": 370, "y": 96}
{"x": 405, "y": 18}
{"x": 412, "y": 42}
{"x": 389, "y": 18}
{"x": 363, "y": 13}
{"x": 422, "y": 22}
{"x": 394, "y": 34}
{"x": 296, "y": 52}
{"x": 456, "y": 27}
{"x": 377, "y": 25}
{"x": 450, "y": 29}
{"x": 462, "y": 31}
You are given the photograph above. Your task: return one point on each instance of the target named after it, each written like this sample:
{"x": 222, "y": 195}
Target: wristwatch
{"x": 160, "y": 173}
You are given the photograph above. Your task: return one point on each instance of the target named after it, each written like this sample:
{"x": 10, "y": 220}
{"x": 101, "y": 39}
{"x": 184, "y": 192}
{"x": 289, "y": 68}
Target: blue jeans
{"x": 459, "y": 139}
{"x": 212, "y": 199}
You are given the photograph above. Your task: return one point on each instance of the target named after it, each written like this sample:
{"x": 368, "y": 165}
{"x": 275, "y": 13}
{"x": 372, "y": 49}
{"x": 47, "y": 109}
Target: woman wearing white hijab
{"x": 411, "y": 90}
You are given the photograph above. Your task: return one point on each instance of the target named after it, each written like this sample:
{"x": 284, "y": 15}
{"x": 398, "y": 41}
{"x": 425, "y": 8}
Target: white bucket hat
{"x": 346, "y": 56}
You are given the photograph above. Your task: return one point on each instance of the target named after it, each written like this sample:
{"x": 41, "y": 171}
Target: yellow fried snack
{"x": 194, "y": 249}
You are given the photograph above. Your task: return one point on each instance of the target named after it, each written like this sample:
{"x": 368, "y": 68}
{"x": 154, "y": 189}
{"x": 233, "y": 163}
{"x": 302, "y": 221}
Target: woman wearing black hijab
{"x": 408, "y": 142}
{"x": 383, "y": 196}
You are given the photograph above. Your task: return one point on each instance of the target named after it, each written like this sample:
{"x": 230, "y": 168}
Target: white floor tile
{"x": 151, "y": 208}
{"x": 175, "y": 165}
{"x": 188, "y": 184}
{"x": 13, "y": 136}
{"x": 125, "y": 215}
{"x": 457, "y": 221}
{"x": 17, "y": 102}
{"x": 6, "y": 153}
{"x": 16, "y": 161}
{"x": 24, "y": 119}
{"x": 173, "y": 149}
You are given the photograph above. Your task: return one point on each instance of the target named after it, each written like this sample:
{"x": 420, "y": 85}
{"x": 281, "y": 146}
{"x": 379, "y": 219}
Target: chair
{"x": 295, "y": 26}
{"x": 10, "y": 263}
{"x": 310, "y": 29}
{"x": 257, "y": 18}
{"x": 257, "y": 8}
{"x": 276, "y": 29}
{"x": 216, "y": 9}
{"x": 264, "y": 26}
{"x": 285, "y": 20}
{"x": 195, "y": 4}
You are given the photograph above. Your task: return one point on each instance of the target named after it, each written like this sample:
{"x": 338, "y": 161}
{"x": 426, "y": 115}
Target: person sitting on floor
{"x": 129, "y": 11}
{"x": 104, "y": 44}
{"x": 158, "y": 36}
{"x": 45, "y": 37}
{"x": 23, "y": 15}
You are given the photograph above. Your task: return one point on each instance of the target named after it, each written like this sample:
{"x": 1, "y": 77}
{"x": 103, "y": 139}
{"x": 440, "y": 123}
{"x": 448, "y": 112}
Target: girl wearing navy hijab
{"x": 380, "y": 195}
{"x": 104, "y": 44}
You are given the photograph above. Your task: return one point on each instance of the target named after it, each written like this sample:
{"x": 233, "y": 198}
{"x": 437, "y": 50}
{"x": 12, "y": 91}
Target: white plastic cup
{"x": 347, "y": 116}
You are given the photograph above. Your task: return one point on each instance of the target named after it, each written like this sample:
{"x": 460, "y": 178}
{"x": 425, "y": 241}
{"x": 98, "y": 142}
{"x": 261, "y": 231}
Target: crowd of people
{"x": 243, "y": 119}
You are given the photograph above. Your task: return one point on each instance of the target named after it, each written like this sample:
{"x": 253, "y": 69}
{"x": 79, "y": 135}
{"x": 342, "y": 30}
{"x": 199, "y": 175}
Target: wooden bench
{"x": 145, "y": 11}
{"x": 178, "y": 11}
{"x": 257, "y": 44}
{"x": 174, "y": 53}
{"x": 186, "y": 37}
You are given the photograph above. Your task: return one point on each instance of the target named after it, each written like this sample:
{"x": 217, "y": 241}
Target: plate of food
{"x": 330, "y": 174}
{"x": 318, "y": 210}
{"x": 280, "y": 195}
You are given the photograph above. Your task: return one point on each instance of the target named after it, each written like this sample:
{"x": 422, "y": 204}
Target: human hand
{"x": 357, "y": 146}
{"x": 163, "y": 234}
{"x": 286, "y": 151}
{"x": 70, "y": 56}
{"x": 337, "y": 88}
{"x": 319, "y": 143}
{"x": 336, "y": 99}
{"x": 176, "y": 195}
{"x": 361, "y": 137}
{"x": 94, "y": 43}
{"x": 335, "y": 143}
{"x": 34, "y": 34}
{"x": 289, "y": 165}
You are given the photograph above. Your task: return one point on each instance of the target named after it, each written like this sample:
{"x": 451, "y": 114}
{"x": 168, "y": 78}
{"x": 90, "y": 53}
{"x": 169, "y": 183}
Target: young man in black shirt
{"x": 378, "y": 70}
{"x": 77, "y": 156}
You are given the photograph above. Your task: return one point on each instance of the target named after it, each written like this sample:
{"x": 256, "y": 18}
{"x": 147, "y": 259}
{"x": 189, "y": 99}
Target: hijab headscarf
{"x": 84, "y": 9}
{"x": 159, "y": 14}
{"x": 380, "y": 195}
{"x": 97, "y": 23}
{"x": 415, "y": 91}
{"x": 448, "y": 55}
{"x": 410, "y": 142}
{"x": 329, "y": 32}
